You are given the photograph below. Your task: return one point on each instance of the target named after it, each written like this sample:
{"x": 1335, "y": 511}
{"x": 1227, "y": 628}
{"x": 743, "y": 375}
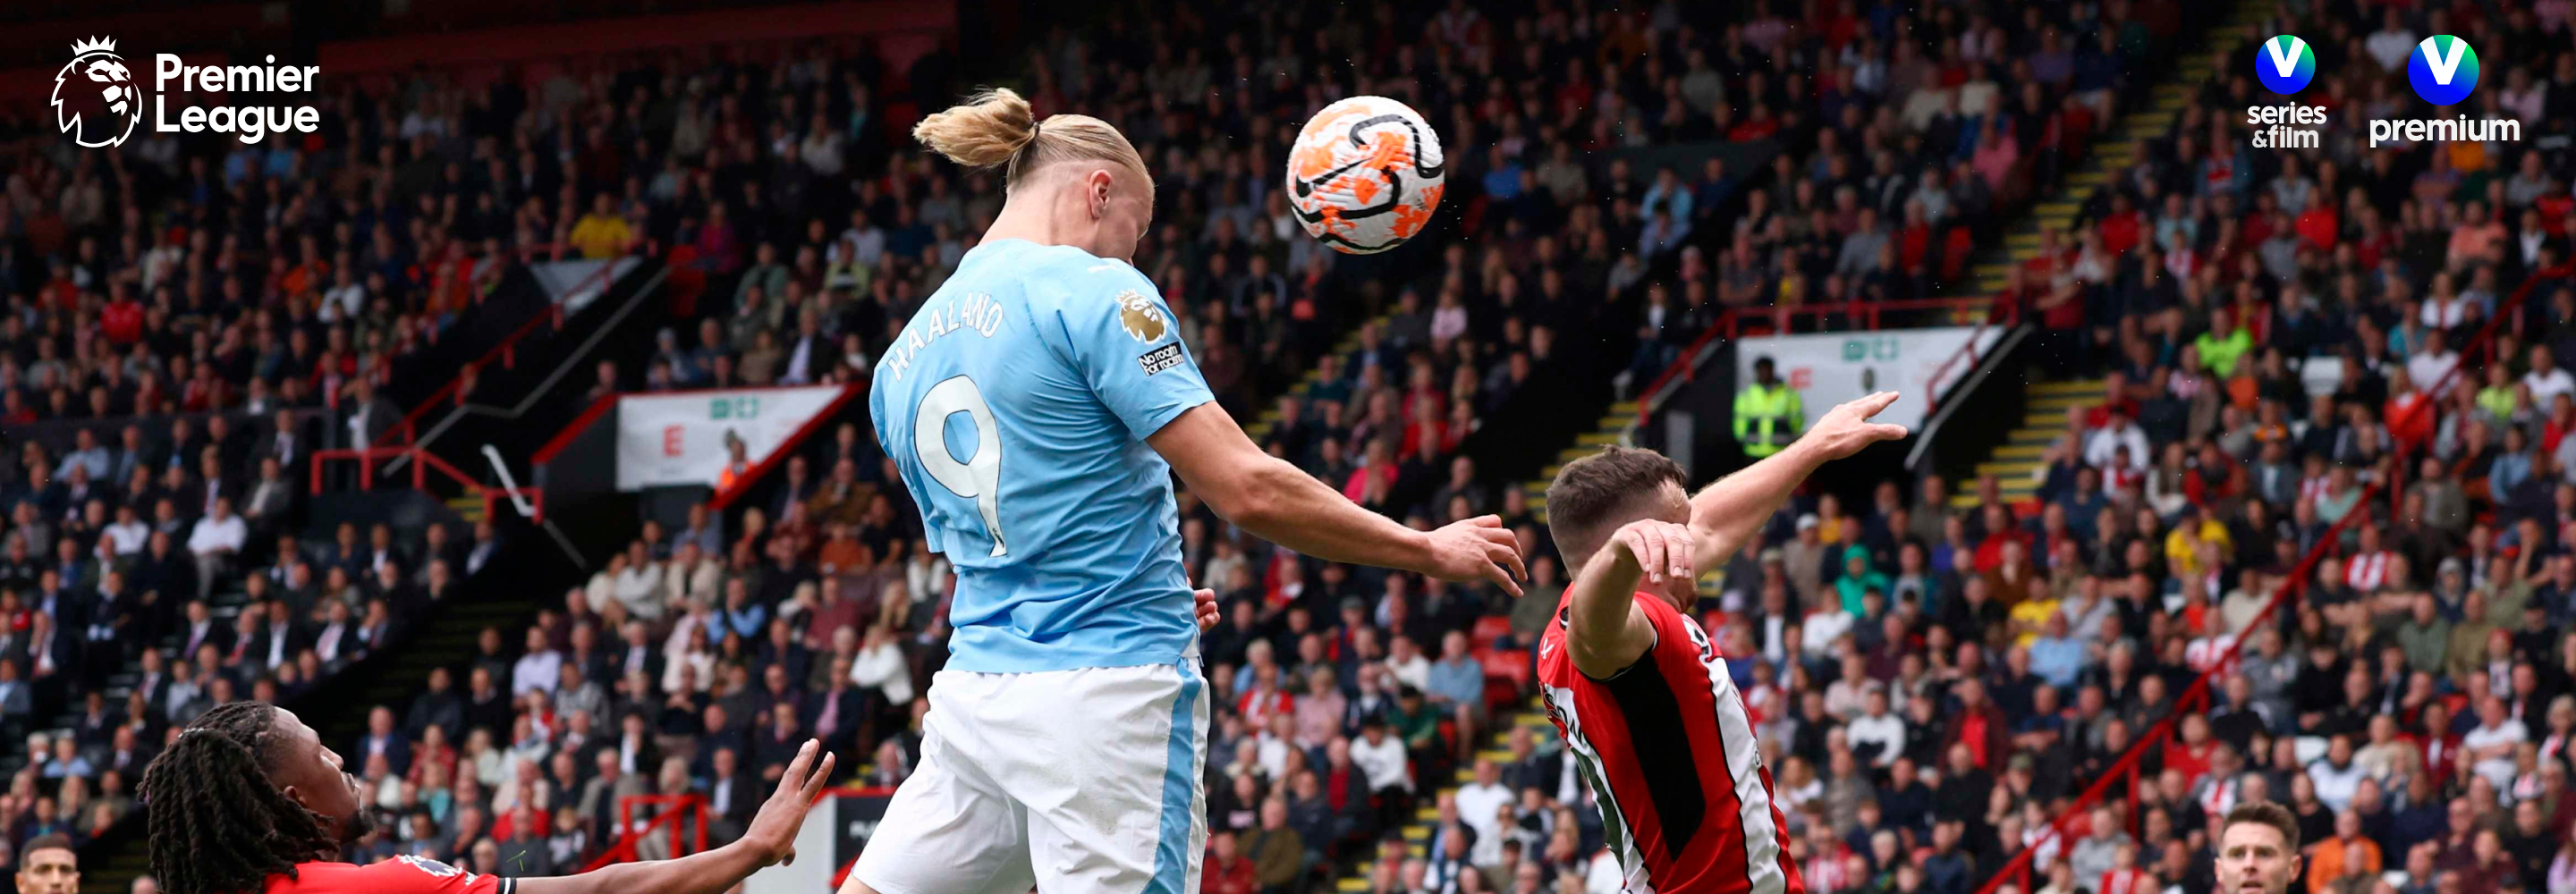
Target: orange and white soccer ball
{"x": 1365, "y": 174}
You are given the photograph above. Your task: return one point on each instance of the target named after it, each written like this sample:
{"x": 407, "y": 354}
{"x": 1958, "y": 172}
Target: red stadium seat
{"x": 1490, "y": 628}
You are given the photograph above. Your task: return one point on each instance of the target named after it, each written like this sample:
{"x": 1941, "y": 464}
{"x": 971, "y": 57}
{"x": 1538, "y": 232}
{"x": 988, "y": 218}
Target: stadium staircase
{"x": 2016, "y": 463}
{"x": 469, "y": 508}
{"x": 2119, "y": 147}
{"x": 1350, "y": 341}
{"x": 1613, "y": 428}
{"x": 1352, "y": 875}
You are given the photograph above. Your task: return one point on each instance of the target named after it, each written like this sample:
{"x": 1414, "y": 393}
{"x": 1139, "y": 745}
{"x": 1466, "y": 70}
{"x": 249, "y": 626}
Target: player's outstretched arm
{"x": 1282, "y": 504}
{"x": 1726, "y": 512}
{"x": 771, "y": 839}
{"x": 1604, "y": 630}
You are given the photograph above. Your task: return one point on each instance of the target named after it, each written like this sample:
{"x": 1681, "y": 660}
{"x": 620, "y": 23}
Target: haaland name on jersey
{"x": 974, "y": 312}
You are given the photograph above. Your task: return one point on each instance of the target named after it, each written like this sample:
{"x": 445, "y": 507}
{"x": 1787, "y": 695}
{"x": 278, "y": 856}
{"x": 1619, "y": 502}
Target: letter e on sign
{"x": 674, "y": 440}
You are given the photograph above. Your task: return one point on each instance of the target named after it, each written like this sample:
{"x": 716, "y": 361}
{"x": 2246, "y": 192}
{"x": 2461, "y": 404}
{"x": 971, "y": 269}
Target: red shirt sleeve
{"x": 400, "y": 875}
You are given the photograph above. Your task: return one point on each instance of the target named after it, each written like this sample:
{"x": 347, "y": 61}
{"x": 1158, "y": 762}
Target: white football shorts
{"x": 1070, "y": 781}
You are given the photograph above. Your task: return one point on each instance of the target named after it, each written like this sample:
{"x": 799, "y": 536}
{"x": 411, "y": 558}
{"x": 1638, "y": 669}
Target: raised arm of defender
{"x": 770, "y": 840}
{"x": 1282, "y": 504}
{"x": 1726, "y": 513}
{"x": 1606, "y": 631}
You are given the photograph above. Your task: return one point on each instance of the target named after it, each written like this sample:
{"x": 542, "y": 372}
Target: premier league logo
{"x": 95, "y": 98}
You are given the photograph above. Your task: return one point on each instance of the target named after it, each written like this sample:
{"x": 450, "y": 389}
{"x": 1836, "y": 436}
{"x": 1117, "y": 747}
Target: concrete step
{"x": 2092, "y": 387}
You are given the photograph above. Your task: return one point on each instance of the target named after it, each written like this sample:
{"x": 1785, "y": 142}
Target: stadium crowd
{"x": 2293, "y": 350}
{"x": 1929, "y": 682}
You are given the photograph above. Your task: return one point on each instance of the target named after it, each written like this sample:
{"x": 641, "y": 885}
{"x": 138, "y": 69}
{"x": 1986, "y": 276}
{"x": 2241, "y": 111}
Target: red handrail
{"x": 2482, "y": 343}
{"x": 688, "y": 807}
{"x": 507, "y": 352}
{"x": 1729, "y": 323}
{"x": 1968, "y": 352}
{"x": 581, "y": 423}
{"x": 2196, "y": 696}
{"x": 422, "y": 462}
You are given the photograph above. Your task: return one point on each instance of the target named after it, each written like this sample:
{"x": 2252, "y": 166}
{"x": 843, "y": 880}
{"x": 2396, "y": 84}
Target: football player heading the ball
{"x": 1037, "y": 408}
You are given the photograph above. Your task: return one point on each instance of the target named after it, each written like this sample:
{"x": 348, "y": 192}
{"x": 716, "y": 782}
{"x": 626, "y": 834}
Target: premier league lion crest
{"x": 94, "y": 93}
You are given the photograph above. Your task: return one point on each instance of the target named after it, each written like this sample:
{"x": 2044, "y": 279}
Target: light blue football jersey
{"x": 1016, "y": 404}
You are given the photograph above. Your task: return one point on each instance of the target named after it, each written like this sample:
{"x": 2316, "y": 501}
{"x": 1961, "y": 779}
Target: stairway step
{"x": 1624, "y": 408}
{"x": 2020, "y": 451}
{"x": 2008, "y": 469}
{"x": 2086, "y": 386}
{"x": 2042, "y": 436}
{"x": 1597, "y": 439}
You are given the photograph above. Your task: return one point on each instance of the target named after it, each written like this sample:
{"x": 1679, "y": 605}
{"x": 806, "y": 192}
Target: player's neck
{"x": 1034, "y": 215}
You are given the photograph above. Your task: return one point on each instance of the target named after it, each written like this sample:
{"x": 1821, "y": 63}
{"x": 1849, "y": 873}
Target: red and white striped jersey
{"x": 1668, "y": 749}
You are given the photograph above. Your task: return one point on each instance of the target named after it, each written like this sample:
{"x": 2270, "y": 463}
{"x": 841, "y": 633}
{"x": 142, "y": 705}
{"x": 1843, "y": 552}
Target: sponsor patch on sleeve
{"x": 1160, "y": 359}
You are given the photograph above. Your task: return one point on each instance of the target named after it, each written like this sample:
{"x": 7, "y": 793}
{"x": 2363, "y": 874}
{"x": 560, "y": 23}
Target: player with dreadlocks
{"x": 248, "y": 801}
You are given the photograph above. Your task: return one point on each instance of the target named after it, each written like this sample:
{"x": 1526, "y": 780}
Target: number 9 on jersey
{"x": 978, "y": 479}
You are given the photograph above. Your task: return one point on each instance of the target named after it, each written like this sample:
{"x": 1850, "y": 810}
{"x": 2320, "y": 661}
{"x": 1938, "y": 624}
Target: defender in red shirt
{"x": 248, "y": 801}
{"x": 1654, "y": 722}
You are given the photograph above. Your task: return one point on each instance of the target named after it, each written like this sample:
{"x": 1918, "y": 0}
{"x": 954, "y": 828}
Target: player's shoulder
{"x": 1096, "y": 296}
{"x": 1065, "y": 272}
{"x": 1555, "y": 666}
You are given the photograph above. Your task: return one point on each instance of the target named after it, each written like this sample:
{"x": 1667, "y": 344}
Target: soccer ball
{"x": 1365, "y": 174}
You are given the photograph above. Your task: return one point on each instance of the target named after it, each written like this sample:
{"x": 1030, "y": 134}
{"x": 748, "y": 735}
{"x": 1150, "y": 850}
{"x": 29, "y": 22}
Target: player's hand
{"x": 1479, "y": 548}
{"x": 1661, "y": 549}
{"x": 772, "y": 834}
{"x": 1205, "y": 609}
{"x": 1845, "y": 429}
